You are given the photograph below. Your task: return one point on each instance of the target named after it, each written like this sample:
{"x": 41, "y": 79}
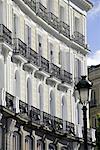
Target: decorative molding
{"x": 50, "y": 82}
{"x": 39, "y": 75}
{"x": 62, "y": 87}
{"x": 28, "y": 68}
{"x": 16, "y": 60}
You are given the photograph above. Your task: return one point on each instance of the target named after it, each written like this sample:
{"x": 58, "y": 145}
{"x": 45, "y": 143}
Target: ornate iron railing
{"x": 58, "y": 124}
{"x": 5, "y": 35}
{"x": 44, "y": 64}
{"x": 67, "y": 77}
{"x": 31, "y": 4}
{"x": 53, "y": 20}
{"x": 79, "y": 38}
{"x": 55, "y": 70}
{"x": 49, "y": 17}
{"x": 38, "y": 117}
{"x": 10, "y": 102}
{"x": 41, "y": 11}
{"x": 35, "y": 115}
{"x": 48, "y": 120}
{"x": 33, "y": 57}
{"x": 70, "y": 128}
{"x": 19, "y": 47}
{"x": 23, "y": 107}
{"x": 64, "y": 29}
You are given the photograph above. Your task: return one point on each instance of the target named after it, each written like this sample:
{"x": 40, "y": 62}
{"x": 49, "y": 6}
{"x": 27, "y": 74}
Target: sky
{"x": 93, "y": 28}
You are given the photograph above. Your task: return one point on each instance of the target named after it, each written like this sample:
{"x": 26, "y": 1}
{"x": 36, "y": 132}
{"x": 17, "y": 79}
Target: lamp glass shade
{"x": 84, "y": 95}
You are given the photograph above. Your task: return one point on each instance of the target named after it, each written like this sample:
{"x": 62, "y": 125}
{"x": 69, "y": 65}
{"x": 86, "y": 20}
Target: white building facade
{"x": 43, "y": 52}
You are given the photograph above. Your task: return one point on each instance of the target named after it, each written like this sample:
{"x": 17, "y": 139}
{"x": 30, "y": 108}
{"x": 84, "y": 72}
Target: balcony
{"x": 48, "y": 17}
{"x": 53, "y": 20}
{"x": 32, "y": 57}
{"x": 79, "y": 38}
{"x": 31, "y": 4}
{"x": 35, "y": 115}
{"x": 44, "y": 64}
{"x": 19, "y": 49}
{"x": 66, "y": 76}
{"x": 24, "y": 110}
{"x": 5, "y": 35}
{"x": 41, "y": 11}
{"x": 64, "y": 29}
{"x": 55, "y": 71}
{"x": 70, "y": 128}
{"x": 10, "y": 102}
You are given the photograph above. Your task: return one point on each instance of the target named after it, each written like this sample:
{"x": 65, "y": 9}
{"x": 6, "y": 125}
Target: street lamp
{"x": 83, "y": 87}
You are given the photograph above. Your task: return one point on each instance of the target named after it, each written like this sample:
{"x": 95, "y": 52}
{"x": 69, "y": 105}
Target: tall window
{"x": 17, "y": 83}
{"x": 40, "y": 145}
{"x": 63, "y": 108}
{"x": 62, "y": 13}
{"x": 40, "y": 45}
{"x": 64, "y": 60}
{"x": 77, "y": 69}
{"x": 40, "y": 97}
{"x": 27, "y": 35}
{"x": 51, "y": 53}
{"x": 16, "y": 141}
{"x": 15, "y": 26}
{"x": 29, "y": 91}
{"x": 50, "y": 5}
{"x": 52, "y": 103}
{"x": 77, "y": 24}
{"x": 28, "y": 143}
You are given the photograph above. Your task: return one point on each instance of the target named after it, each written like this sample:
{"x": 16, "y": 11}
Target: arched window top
{"x": 28, "y": 143}
{"x": 52, "y": 96}
{"x": 40, "y": 88}
{"x": 16, "y": 141}
{"x": 63, "y": 100}
{"x": 40, "y": 145}
{"x": 17, "y": 74}
{"x": 52, "y": 146}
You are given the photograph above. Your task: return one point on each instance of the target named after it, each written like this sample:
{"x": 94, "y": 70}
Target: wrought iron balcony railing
{"x": 10, "y": 102}
{"x": 48, "y": 120}
{"x": 79, "y": 38}
{"x": 49, "y": 17}
{"x": 44, "y": 64}
{"x": 58, "y": 124}
{"x": 31, "y": 4}
{"x": 23, "y": 107}
{"x": 66, "y": 76}
{"x": 64, "y": 29}
{"x": 32, "y": 56}
{"x": 5, "y": 35}
{"x": 35, "y": 115}
{"x": 19, "y": 47}
{"x": 41, "y": 11}
{"x": 70, "y": 128}
{"x": 38, "y": 117}
{"x": 55, "y": 70}
{"x": 53, "y": 20}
